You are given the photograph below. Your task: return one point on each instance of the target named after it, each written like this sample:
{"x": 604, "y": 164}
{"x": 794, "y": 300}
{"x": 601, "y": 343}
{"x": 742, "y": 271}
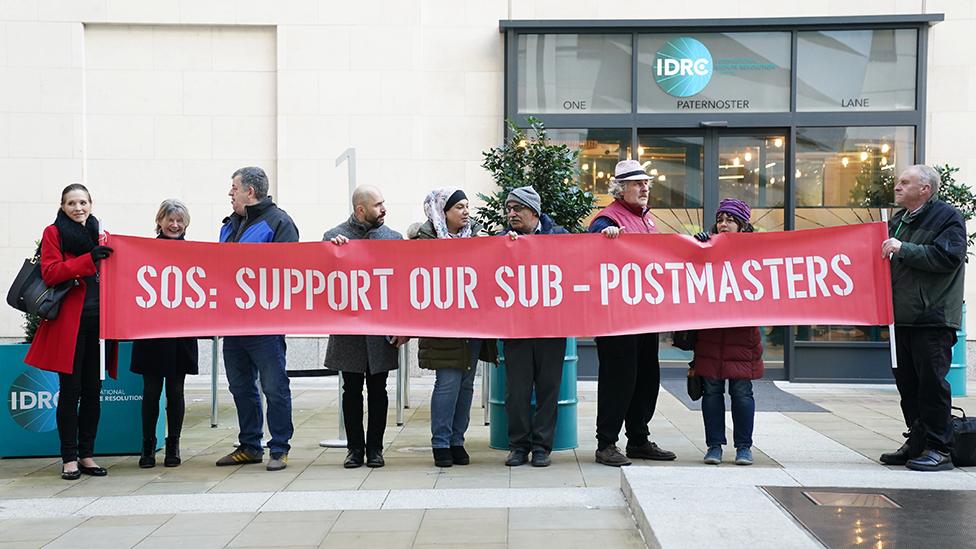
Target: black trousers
{"x": 924, "y": 355}
{"x": 175, "y": 407}
{"x": 352, "y": 409}
{"x": 628, "y": 384}
{"x": 78, "y": 397}
{"x": 533, "y": 363}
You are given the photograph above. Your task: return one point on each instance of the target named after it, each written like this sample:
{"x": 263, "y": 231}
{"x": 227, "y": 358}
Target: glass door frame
{"x": 711, "y": 137}
{"x": 710, "y": 162}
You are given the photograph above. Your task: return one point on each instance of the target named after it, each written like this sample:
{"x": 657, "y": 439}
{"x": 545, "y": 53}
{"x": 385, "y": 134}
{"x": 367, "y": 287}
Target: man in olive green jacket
{"x": 927, "y": 249}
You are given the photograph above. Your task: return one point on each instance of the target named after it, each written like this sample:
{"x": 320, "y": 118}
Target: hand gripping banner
{"x": 535, "y": 286}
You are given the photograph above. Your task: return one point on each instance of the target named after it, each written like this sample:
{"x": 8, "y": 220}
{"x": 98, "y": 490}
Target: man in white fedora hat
{"x": 629, "y": 378}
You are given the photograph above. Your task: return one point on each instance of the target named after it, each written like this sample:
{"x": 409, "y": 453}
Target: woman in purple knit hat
{"x": 733, "y": 354}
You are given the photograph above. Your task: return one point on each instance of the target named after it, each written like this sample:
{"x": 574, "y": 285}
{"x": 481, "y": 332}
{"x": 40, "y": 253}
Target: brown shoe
{"x": 611, "y": 456}
{"x": 649, "y": 450}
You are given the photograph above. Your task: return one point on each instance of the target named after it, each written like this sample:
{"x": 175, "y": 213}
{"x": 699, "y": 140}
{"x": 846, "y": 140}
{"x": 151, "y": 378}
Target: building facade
{"x": 803, "y": 109}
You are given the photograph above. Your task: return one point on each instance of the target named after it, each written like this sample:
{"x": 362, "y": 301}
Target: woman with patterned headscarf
{"x": 454, "y": 360}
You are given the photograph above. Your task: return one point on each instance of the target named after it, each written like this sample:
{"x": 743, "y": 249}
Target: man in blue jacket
{"x": 535, "y": 362}
{"x": 246, "y": 358}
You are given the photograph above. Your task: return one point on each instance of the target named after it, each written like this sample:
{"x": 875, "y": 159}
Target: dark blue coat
{"x": 261, "y": 222}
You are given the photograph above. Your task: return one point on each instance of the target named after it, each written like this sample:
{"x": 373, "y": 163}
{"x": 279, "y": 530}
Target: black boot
{"x": 172, "y": 452}
{"x": 443, "y": 457}
{"x": 148, "y": 458}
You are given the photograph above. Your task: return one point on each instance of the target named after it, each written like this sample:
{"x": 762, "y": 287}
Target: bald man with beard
{"x": 363, "y": 359}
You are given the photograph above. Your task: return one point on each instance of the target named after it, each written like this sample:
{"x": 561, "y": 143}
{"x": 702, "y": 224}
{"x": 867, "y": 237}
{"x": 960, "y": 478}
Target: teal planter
{"x": 957, "y": 369}
{"x": 28, "y": 426}
{"x": 566, "y": 429}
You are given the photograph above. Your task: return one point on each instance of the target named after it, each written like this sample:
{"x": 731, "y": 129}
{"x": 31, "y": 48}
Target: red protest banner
{"x": 536, "y": 286}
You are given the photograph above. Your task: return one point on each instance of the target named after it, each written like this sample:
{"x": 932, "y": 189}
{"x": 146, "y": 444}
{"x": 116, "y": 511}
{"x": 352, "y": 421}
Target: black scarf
{"x": 77, "y": 239}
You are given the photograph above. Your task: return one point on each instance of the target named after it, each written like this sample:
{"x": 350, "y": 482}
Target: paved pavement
{"x": 411, "y": 503}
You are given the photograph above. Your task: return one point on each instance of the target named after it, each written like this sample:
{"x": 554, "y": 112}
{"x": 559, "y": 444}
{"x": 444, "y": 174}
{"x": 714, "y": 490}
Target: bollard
{"x": 957, "y": 367}
{"x": 340, "y": 442}
{"x": 213, "y": 381}
{"x": 566, "y": 426}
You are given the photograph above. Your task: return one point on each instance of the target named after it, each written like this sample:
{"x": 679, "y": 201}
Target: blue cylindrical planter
{"x": 566, "y": 432}
{"x": 957, "y": 369}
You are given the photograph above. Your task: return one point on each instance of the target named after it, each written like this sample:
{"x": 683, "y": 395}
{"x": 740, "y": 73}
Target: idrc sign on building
{"x": 28, "y": 426}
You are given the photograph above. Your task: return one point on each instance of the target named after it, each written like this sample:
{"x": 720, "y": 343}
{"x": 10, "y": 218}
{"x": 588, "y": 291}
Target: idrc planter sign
{"x": 28, "y": 427}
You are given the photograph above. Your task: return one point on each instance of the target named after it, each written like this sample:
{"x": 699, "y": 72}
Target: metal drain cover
{"x": 851, "y": 499}
{"x": 881, "y": 518}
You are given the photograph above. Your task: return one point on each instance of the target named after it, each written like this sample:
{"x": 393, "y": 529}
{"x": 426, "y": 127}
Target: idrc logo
{"x": 32, "y": 401}
{"x": 683, "y": 67}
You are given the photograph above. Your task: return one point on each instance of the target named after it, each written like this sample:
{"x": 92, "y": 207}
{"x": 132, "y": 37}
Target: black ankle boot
{"x": 172, "y": 458}
{"x": 442, "y": 457}
{"x": 148, "y": 458}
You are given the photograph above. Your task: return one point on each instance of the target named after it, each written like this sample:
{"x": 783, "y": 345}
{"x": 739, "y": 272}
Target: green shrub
{"x": 551, "y": 169}
{"x": 959, "y": 195}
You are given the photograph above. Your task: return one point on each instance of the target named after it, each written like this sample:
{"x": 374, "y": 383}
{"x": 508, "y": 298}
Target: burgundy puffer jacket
{"x": 729, "y": 353}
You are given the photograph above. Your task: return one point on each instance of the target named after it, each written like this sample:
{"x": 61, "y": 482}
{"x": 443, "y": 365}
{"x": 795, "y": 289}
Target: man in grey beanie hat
{"x": 526, "y": 196}
{"x": 535, "y": 362}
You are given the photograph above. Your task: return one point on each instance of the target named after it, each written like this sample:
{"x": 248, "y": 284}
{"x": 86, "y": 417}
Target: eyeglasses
{"x": 517, "y": 208}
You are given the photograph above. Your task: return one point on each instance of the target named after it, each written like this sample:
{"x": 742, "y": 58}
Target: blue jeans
{"x": 246, "y": 358}
{"x": 743, "y": 411}
{"x": 450, "y": 403}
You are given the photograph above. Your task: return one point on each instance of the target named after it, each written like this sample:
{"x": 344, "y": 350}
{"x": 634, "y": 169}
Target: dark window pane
{"x": 714, "y": 72}
{"x": 856, "y": 70}
{"x": 574, "y": 73}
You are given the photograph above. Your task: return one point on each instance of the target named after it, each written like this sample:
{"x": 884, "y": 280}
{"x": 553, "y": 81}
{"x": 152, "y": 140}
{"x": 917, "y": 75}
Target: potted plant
{"x": 960, "y": 196}
{"x": 529, "y": 158}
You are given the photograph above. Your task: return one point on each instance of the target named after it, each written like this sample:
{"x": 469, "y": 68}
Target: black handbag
{"x": 695, "y": 384}
{"x": 31, "y": 295}
{"x": 684, "y": 339}
{"x": 964, "y": 440}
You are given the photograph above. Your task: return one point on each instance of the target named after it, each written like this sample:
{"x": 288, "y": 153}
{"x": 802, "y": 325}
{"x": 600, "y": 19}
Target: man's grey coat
{"x": 356, "y": 353}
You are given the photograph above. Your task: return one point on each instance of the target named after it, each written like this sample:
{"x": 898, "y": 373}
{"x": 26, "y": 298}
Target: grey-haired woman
{"x": 165, "y": 361}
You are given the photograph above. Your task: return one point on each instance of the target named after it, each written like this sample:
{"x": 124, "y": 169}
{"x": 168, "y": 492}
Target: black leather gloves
{"x": 100, "y": 252}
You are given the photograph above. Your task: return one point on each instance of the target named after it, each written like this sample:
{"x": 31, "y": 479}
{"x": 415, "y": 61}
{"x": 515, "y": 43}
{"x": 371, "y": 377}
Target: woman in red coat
{"x": 733, "y": 354}
{"x": 68, "y": 344}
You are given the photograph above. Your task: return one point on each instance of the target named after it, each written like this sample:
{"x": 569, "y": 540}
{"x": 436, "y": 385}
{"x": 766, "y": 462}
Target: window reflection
{"x": 753, "y": 169}
{"x": 751, "y": 73}
{"x": 675, "y": 163}
{"x": 856, "y": 70}
{"x": 846, "y": 176}
{"x": 574, "y": 73}
{"x": 599, "y": 152}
